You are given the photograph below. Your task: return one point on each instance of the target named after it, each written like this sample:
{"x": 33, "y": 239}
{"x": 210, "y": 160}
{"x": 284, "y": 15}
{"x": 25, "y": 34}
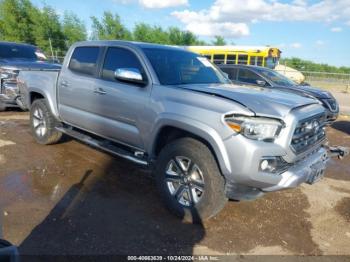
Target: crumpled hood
{"x": 28, "y": 64}
{"x": 262, "y": 101}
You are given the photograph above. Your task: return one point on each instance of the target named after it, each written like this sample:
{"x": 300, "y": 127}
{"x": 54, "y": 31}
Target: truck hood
{"x": 22, "y": 64}
{"x": 306, "y": 90}
{"x": 262, "y": 101}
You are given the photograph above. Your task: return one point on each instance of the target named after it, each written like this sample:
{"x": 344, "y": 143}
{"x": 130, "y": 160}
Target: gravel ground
{"x": 72, "y": 199}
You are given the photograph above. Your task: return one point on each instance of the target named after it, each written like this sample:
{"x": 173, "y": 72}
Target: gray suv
{"x": 175, "y": 112}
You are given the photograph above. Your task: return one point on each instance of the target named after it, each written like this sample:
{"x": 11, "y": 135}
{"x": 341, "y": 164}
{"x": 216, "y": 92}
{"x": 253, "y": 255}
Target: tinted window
{"x": 242, "y": 59}
{"x": 275, "y": 77}
{"x": 8, "y": 51}
{"x": 84, "y": 60}
{"x": 176, "y": 67}
{"x": 231, "y": 59}
{"x": 119, "y": 58}
{"x": 248, "y": 76}
{"x": 219, "y": 59}
{"x": 232, "y": 72}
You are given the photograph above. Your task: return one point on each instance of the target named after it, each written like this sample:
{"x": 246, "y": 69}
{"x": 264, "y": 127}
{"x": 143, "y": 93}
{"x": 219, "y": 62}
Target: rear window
{"x": 84, "y": 60}
{"x": 8, "y": 51}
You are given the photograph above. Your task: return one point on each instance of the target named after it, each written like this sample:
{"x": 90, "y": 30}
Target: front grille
{"x": 308, "y": 132}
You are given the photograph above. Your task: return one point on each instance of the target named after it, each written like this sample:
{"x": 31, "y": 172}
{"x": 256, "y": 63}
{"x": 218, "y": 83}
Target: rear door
{"x": 76, "y": 87}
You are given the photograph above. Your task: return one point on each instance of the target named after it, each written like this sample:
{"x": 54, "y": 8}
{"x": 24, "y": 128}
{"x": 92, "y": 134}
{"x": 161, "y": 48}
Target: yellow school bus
{"x": 247, "y": 55}
{"x": 266, "y": 56}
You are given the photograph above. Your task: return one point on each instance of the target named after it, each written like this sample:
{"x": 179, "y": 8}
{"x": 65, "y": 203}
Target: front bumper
{"x": 309, "y": 170}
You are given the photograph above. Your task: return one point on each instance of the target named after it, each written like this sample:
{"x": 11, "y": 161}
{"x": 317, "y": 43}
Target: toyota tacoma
{"x": 206, "y": 140}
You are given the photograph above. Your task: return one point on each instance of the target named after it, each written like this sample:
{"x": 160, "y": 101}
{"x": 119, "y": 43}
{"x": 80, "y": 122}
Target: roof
{"x": 141, "y": 45}
{"x": 16, "y": 44}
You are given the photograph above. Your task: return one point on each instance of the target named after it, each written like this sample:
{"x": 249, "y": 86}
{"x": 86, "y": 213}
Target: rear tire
{"x": 189, "y": 180}
{"x": 43, "y": 123}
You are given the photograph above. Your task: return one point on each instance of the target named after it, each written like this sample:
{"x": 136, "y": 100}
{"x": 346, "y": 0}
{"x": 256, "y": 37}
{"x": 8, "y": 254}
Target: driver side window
{"x": 116, "y": 58}
{"x": 247, "y": 76}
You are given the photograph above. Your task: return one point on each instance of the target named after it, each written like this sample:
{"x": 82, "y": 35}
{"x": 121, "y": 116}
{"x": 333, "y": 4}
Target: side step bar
{"x": 105, "y": 146}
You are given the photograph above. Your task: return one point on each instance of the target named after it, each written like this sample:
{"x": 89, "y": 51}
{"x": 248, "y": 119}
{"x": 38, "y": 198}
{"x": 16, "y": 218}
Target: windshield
{"x": 276, "y": 78}
{"x": 177, "y": 67}
{"x": 8, "y": 51}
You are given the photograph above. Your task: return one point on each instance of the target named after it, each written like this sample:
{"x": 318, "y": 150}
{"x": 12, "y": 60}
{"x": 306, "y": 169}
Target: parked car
{"x": 13, "y": 58}
{"x": 175, "y": 112}
{"x": 267, "y": 78}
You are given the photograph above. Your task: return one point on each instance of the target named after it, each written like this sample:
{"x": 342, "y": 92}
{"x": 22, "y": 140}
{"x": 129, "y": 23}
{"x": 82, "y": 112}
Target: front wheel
{"x": 43, "y": 123}
{"x": 189, "y": 180}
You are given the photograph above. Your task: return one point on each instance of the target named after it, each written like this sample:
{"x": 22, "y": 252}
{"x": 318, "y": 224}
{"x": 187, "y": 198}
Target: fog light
{"x": 269, "y": 164}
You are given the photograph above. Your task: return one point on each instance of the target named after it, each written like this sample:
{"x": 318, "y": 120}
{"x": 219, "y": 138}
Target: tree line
{"x": 305, "y": 65}
{"x": 21, "y": 21}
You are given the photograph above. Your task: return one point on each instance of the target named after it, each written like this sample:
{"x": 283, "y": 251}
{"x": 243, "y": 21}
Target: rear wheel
{"x": 190, "y": 181}
{"x": 43, "y": 123}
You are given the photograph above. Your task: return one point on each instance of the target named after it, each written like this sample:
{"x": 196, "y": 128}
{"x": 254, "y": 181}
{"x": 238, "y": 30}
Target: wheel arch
{"x": 169, "y": 130}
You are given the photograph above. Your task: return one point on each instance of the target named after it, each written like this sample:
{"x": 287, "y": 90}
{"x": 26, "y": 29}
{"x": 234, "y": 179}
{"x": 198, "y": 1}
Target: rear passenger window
{"x": 232, "y": 73}
{"x": 84, "y": 60}
{"x": 119, "y": 58}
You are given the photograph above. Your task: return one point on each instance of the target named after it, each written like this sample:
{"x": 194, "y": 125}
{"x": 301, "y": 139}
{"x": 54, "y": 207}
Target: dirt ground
{"x": 72, "y": 199}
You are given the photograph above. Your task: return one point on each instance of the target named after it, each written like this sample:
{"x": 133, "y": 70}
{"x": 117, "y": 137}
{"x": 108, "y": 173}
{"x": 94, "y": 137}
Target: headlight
{"x": 8, "y": 73}
{"x": 258, "y": 128}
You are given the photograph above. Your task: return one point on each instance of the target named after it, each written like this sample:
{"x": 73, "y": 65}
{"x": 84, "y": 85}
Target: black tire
{"x": 51, "y": 135}
{"x": 213, "y": 197}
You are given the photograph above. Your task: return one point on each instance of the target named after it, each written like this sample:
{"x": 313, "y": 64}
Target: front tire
{"x": 43, "y": 123}
{"x": 189, "y": 180}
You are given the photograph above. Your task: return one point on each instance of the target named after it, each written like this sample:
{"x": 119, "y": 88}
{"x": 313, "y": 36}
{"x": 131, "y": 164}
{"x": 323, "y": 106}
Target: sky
{"x": 309, "y": 29}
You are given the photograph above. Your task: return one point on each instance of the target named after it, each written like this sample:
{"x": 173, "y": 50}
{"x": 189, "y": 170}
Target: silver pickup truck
{"x": 172, "y": 110}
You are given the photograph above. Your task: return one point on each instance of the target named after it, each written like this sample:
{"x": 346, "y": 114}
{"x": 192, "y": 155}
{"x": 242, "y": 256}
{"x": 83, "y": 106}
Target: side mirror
{"x": 261, "y": 82}
{"x": 131, "y": 75}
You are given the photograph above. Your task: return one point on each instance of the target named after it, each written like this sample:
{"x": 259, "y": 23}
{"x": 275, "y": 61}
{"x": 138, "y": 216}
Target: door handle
{"x": 100, "y": 91}
{"x": 64, "y": 84}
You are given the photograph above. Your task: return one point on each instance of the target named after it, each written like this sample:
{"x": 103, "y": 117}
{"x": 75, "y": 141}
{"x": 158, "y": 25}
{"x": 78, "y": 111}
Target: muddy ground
{"x": 71, "y": 199}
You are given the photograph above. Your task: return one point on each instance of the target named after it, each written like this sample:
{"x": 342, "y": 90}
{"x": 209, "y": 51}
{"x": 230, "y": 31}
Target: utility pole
{"x": 52, "y": 56}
